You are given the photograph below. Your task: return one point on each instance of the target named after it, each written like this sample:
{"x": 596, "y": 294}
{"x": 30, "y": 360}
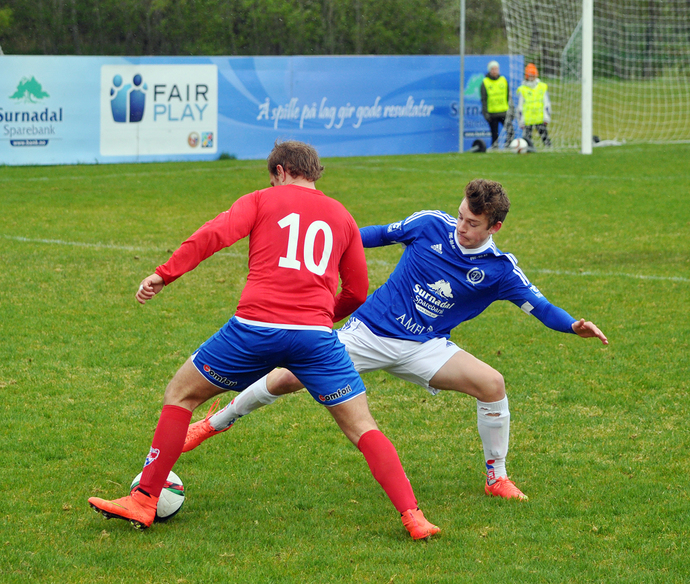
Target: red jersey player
{"x": 301, "y": 243}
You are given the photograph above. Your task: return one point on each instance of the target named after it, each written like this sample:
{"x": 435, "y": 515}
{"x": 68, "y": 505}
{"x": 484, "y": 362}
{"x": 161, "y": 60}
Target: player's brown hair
{"x": 296, "y": 158}
{"x": 487, "y": 197}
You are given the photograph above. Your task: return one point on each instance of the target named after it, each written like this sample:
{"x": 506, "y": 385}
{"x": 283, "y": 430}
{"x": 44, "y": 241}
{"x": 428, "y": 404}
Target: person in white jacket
{"x": 534, "y": 106}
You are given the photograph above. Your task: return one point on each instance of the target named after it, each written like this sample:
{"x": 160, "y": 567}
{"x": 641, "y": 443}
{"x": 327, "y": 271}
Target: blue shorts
{"x": 239, "y": 354}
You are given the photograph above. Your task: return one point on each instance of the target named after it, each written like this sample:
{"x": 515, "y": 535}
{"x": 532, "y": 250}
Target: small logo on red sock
{"x": 151, "y": 456}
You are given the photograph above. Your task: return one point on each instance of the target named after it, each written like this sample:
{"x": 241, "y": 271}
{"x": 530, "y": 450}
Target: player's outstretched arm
{"x": 586, "y": 330}
{"x": 149, "y": 287}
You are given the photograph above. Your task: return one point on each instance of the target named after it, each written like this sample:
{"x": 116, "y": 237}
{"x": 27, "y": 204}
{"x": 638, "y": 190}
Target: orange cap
{"x": 531, "y": 69}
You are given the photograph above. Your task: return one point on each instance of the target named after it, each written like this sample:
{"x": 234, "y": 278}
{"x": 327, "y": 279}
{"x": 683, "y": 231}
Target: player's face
{"x": 473, "y": 230}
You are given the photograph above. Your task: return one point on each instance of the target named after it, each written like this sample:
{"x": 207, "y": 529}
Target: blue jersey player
{"x": 450, "y": 271}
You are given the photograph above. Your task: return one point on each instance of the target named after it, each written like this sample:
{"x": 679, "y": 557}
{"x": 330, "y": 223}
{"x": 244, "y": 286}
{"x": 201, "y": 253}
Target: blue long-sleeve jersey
{"x": 438, "y": 284}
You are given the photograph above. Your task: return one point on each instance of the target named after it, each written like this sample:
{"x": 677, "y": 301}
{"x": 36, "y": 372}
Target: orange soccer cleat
{"x": 415, "y": 522}
{"x": 504, "y": 487}
{"x": 202, "y": 430}
{"x": 138, "y": 508}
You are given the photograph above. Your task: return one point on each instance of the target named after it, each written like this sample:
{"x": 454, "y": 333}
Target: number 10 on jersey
{"x": 290, "y": 260}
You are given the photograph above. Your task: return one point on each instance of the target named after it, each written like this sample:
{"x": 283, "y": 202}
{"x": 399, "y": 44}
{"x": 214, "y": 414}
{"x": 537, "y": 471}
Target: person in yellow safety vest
{"x": 497, "y": 104}
{"x": 534, "y": 106}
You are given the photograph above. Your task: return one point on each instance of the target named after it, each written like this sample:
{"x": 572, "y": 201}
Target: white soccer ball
{"x": 171, "y": 499}
{"x": 519, "y": 146}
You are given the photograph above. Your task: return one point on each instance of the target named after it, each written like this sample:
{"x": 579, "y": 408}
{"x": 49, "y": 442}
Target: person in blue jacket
{"x": 450, "y": 272}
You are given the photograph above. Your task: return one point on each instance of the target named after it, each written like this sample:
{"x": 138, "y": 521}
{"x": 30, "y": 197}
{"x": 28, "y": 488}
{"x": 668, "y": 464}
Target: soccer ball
{"x": 171, "y": 499}
{"x": 519, "y": 146}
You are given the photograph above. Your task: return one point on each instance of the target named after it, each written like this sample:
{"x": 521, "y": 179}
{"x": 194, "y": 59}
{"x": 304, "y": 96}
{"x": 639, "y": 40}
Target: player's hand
{"x": 149, "y": 287}
{"x": 586, "y": 330}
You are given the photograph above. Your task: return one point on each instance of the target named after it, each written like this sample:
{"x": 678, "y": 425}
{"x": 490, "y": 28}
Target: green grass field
{"x": 599, "y": 437}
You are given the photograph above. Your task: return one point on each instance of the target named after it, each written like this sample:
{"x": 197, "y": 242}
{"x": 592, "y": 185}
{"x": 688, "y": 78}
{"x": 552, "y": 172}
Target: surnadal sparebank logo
{"x": 29, "y": 91}
{"x": 28, "y": 122}
{"x": 158, "y": 109}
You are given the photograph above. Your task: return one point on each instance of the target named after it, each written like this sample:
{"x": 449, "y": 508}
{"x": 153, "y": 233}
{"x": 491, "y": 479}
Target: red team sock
{"x": 165, "y": 448}
{"x": 387, "y": 469}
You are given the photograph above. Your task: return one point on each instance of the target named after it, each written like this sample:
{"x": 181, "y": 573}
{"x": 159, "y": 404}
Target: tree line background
{"x": 248, "y": 27}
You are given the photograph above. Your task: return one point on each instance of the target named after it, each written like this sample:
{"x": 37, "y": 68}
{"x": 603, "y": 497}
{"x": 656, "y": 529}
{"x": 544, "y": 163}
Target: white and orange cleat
{"x": 504, "y": 487}
{"x": 202, "y": 430}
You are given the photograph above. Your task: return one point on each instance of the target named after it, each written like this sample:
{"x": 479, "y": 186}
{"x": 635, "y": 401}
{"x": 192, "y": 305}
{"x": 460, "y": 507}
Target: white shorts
{"x": 409, "y": 360}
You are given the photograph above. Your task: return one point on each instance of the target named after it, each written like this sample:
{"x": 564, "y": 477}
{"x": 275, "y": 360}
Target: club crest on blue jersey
{"x": 151, "y": 456}
{"x": 475, "y": 276}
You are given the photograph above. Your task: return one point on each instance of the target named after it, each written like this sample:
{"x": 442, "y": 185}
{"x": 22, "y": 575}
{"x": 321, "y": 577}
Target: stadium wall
{"x": 67, "y": 110}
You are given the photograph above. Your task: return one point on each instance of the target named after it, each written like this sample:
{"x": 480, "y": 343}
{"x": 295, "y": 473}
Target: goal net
{"x": 641, "y": 64}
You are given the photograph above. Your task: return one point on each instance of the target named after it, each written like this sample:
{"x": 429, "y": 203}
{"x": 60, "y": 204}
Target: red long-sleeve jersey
{"x": 300, "y": 242}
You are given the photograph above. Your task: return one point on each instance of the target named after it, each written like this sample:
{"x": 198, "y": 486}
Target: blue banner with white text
{"x": 67, "y": 110}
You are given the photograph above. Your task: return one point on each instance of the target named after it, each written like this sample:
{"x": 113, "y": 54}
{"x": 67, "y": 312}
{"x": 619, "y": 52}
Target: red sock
{"x": 165, "y": 448}
{"x": 387, "y": 469}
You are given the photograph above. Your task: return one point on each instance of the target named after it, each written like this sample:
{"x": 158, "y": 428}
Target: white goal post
{"x": 635, "y": 57}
